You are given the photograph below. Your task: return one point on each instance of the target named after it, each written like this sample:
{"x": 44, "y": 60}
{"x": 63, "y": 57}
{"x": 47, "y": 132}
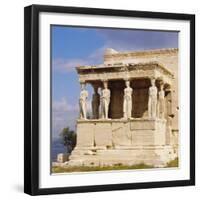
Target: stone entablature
{"x": 131, "y": 71}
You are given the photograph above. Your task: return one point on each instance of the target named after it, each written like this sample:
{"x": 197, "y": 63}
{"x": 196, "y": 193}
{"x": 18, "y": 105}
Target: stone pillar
{"x": 152, "y": 101}
{"x": 127, "y": 104}
{"x": 95, "y": 102}
{"x": 105, "y": 100}
{"x": 168, "y": 130}
{"x": 83, "y": 101}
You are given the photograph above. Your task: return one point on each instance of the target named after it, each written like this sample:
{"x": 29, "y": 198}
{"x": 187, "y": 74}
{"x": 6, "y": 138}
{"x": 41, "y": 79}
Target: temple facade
{"x": 134, "y": 110}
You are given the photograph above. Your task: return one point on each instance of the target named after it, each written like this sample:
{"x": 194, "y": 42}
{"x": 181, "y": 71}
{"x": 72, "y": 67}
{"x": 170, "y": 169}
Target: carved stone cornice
{"x": 103, "y": 69}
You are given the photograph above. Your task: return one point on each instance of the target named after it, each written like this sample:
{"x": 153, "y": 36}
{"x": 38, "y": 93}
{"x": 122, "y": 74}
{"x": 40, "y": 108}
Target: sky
{"x": 74, "y": 46}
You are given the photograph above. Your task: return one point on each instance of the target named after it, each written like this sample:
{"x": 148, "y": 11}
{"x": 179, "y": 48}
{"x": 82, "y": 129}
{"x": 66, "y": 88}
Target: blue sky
{"x": 73, "y": 46}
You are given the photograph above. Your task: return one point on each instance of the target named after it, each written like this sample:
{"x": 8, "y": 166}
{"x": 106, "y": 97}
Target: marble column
{"x": 83, "y": 102}
{"x": 152, "y": 101}
{"x": 105, "y": 100}
{"x": 127, "y": 103}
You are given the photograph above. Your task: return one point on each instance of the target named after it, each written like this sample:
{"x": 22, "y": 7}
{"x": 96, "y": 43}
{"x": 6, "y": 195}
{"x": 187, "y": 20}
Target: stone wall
{"x": 126, "y": 142}
{"x": 112, "y": 133}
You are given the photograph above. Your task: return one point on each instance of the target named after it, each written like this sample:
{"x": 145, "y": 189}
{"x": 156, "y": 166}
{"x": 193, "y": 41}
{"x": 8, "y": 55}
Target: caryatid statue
{"x": 95, "y": 103}
{"x": 105, "y": 100}
{"x": 152, "y": 102}
{"x": 161, "y": 102}
{"x": 83, "y": 102}
{"x": 127, "y": 105}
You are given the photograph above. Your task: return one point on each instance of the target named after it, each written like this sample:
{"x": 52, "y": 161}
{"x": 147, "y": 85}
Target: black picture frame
{"x": 31, "y": 98}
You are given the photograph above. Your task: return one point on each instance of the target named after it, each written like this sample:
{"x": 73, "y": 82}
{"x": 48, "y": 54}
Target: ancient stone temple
{"x": 134, "y": 107}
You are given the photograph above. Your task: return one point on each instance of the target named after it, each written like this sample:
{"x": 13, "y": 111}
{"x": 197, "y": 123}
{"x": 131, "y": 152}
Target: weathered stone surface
{"x": 85, "y": 134}
{"x": 157, "y": 156}
{"x": 121, "y": 135}
{"x": 62, "y": 157}
{"x": 103, "y": 135}
{"x": 113, "y": 133}
{"x": 77, "y": 162}
{"x": 142, "y": 124}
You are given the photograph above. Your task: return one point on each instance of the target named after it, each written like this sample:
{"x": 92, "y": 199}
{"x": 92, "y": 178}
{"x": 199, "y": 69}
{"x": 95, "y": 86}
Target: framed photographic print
{"x": 109, "y": 99}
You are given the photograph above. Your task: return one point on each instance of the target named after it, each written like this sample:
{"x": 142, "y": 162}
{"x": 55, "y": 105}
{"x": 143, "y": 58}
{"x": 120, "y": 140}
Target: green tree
{"x": 68, "y": 138}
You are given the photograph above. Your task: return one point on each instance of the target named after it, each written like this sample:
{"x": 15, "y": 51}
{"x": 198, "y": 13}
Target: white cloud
{"x": 63, "y": 105}
{"x": 67, "y": 65}
{"x": 63, "y": 115}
